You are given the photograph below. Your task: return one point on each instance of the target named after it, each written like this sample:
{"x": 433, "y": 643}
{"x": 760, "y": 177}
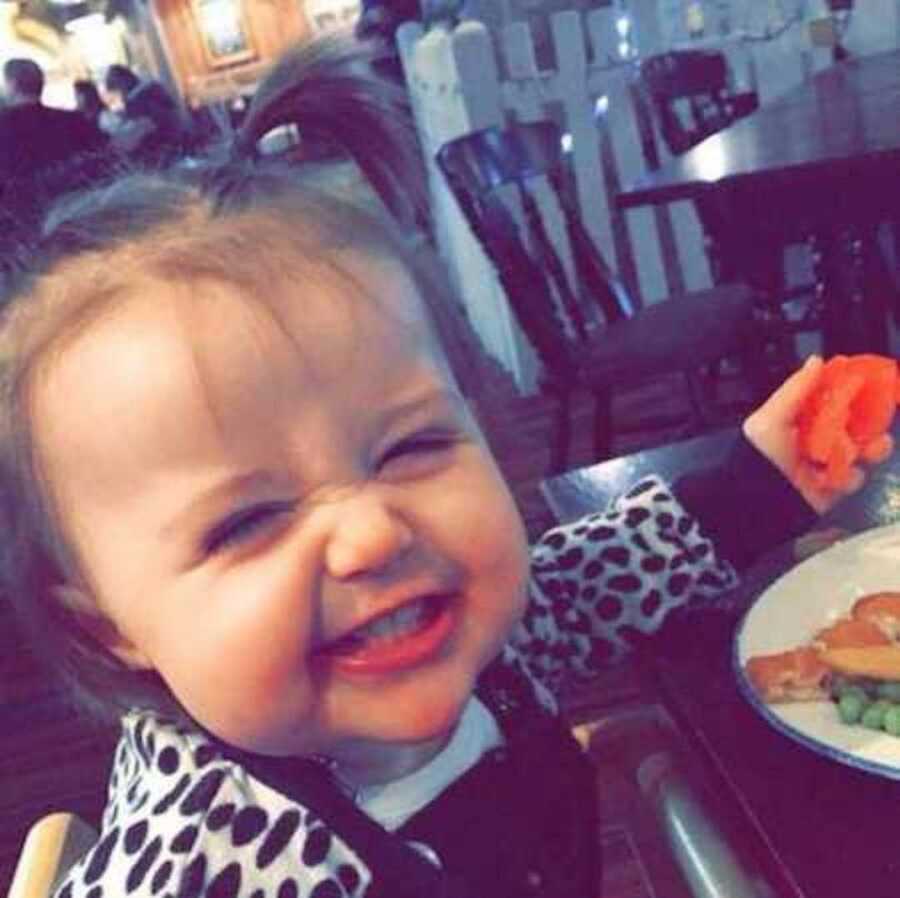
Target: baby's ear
{"x": 100, "y": 626}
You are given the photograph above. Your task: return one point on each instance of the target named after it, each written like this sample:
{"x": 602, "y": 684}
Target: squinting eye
{"x": 242, "y": 526}
{"x": 424, "y": 445}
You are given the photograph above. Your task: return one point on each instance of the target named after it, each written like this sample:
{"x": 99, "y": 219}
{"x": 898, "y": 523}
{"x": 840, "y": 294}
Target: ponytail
{"x": 330, "y": 91}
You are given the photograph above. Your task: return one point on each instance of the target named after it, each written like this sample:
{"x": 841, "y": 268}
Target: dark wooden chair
{"x": 686, "y": 96}
{"x": 588, "y": 331}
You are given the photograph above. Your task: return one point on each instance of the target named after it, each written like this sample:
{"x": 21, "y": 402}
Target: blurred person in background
{"x": 44, "y": 152}
{"x": 152, "y": 130}
{"x": 33, "y": 136}
{"x": 90, "y": 104}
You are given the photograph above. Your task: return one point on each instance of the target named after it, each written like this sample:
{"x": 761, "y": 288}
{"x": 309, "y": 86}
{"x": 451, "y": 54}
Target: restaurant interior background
{"x": 214, "y": 50}
{"x": 212, "y": 53}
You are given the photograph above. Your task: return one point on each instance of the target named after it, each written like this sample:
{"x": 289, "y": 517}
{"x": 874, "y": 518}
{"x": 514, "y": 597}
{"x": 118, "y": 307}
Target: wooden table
{"x": 825, "y": 830}
{"x": 821, "y": 163}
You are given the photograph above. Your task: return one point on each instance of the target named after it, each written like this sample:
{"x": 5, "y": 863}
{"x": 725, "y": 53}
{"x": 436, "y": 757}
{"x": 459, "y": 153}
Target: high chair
{"x": 53, "y": 844}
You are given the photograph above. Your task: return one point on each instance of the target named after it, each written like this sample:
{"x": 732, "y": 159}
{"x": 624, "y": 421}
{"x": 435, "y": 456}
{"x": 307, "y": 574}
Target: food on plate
{"x": 854, "y": 662}
{"x": 878, "y": 662}
{"x": 868, "y": 702}
{"x": 847, "y": 416}
{"x": 797, "y": 675}
{"x": 881, "y": 609}
{"x": 848, "y": 633}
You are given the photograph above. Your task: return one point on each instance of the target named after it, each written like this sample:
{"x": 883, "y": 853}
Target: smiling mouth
{"x": 405, "y": 637}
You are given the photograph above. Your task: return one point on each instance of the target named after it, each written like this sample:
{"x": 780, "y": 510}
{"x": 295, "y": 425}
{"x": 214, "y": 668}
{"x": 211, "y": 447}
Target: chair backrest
{"x": 691, "y": 97}
{"x": 53, "y": 844}
{"x": 555, "y": 313}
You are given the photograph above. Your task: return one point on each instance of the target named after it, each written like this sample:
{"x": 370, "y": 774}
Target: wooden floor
{"x": 52, "y": 760}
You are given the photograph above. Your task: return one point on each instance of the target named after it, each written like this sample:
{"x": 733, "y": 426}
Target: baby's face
{"x": 296, "y": 524}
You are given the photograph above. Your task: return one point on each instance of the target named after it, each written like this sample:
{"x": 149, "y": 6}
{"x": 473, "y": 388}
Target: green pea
{"x": 858, "y": 691}
{"x": 873, "y": 716}
{"x": 892, "y": 720}
{"x": 851, "y": 707}
{"x": 889, "y": 690}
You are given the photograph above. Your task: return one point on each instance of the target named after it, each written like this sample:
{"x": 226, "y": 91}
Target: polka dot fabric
{"x": 607, "y": 580}
{"x": 182, "y": 821}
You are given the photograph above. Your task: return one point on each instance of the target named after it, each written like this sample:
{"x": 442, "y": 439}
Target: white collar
{"x": 392, "y": 804}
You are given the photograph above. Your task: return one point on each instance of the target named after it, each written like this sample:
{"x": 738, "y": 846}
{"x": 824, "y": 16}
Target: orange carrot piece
{"x": 844, "y": 453}
{"x": 848, "y": 414}
{"x": 873, "y": 407}
{"x": 848, "y": 633}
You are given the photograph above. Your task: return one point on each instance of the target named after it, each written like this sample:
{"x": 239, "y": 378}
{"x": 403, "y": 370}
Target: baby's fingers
{"x": 878, "y": 450}
{"x": 824, "y": 483}
{"x": 817, "y": 486}
{"x": 855, "y": 482}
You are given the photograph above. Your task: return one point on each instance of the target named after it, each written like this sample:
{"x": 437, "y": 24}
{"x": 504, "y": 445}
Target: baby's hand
{"x": 772, "y": 429}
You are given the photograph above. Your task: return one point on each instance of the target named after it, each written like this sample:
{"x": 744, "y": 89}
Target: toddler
{"x": 247, "y": 512}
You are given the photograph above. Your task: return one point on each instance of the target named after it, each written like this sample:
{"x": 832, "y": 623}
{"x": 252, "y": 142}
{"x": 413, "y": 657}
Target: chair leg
{"x": 697, "y": 398}
{"x": 603, "y": 431}
{"x": 562, "y": 432}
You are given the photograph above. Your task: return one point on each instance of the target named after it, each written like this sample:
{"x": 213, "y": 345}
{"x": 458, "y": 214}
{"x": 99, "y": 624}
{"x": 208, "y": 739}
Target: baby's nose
{"x": 366, "y": 537}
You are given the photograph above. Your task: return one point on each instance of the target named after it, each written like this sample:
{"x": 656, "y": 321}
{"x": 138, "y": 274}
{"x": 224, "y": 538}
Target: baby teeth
{"x": 395, "y": 624}
{"x": 398, "y": 624}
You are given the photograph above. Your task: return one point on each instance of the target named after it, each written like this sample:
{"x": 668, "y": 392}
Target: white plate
{"x": 809, "y": 597}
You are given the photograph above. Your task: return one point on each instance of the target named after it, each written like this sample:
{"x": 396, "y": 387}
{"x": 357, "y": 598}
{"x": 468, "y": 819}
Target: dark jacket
{"x": 150, "y": 100}
{"x": 34, "y": 137}
{"x": 44, "y": 152}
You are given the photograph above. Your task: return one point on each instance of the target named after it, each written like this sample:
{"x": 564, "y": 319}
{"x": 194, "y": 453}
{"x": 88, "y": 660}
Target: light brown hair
{"x": 235, "y": 219}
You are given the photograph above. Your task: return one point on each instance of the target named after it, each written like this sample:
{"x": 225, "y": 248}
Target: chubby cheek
{"x": 244, "y": 679}
{"x": 497, "y": 555}
{"x": 500, "y": 595}
{"x": 252, "y": 706}
{"x": 488, "y": 539}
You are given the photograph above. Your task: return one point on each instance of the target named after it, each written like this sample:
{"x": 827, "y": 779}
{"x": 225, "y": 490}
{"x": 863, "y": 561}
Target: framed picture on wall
{"x": 224, "y": 32}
